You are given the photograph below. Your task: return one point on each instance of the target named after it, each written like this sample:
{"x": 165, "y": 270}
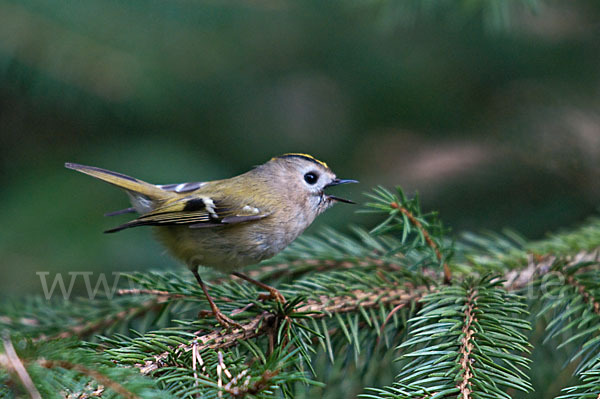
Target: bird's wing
{"x": 179, "y": 188}
{"x": 196, "y": 211}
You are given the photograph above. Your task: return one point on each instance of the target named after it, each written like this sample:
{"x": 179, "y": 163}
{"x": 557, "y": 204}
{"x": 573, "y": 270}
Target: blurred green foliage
{"x": 487, "y": 108}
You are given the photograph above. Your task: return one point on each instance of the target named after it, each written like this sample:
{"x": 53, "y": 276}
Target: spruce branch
{"x": 501, "y": 252}
{"x": 405, "y": 214}
{"x": 263, "y": 324}
{"x": 571, "y": 292}
{"x": 465, "y": 341}
{"x": 344, "y": 290}
{"x": 427, "y": 237}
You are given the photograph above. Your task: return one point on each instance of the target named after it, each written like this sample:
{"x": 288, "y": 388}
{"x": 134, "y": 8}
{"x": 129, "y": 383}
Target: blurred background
{"x": 489, "y": 109}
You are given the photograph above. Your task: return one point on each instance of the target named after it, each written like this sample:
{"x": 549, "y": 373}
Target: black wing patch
{"x": 196, "y": 204}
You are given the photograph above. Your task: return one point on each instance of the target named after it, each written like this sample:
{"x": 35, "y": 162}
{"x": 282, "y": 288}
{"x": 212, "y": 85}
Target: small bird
{"x": 231, "y": 223}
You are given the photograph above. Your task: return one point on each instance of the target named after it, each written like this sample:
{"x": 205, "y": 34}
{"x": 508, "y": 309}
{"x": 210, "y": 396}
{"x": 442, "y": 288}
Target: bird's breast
{"x": 229, "y": 248}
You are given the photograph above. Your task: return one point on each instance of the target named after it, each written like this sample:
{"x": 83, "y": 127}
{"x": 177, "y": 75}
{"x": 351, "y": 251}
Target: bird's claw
{"x": 273, "y": 294}
{"x": 226, "y": 322}
{"x": 223, "y": 320}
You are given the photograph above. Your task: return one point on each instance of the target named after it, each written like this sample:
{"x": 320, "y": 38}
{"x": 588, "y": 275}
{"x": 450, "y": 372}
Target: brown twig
{"x": 348, "y": 303}
{"x": 215, "y": 340}
{"x": 15, "y": 364}
{"x": 467, "y": 347}
{"x": 141, "y": 291}
{"x": 428, "y": 239}
{"x": 387, "y": 319}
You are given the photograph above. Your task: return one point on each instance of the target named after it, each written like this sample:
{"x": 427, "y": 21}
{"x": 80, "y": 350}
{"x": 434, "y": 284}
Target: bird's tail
{"x": 144, "y": 196}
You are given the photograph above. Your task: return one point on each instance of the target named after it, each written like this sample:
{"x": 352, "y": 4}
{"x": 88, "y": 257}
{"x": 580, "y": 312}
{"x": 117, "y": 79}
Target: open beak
{"x": 337, "y": 182}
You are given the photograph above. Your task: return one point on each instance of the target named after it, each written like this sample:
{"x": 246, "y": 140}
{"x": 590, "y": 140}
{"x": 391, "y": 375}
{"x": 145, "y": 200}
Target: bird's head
{"x": 307, "y": 178}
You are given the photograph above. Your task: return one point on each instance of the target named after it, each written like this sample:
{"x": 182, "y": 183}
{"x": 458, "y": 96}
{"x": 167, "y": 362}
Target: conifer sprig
{"x": 350, "y": 299}
{"x": 571, "y": 295}
{"x": 589, "y": 387}
{"x": 424, "y": 230}
{"x": 466, "y": 342}
{"x": 64, "y": 368}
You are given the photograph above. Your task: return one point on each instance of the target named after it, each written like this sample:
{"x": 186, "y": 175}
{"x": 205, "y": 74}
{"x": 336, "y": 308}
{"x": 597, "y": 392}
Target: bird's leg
{"x": 220, "y": 316}
{"x": 275, "y": 294}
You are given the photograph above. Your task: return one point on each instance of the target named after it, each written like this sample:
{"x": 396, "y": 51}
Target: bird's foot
{"x": 223, "y": 320}
{"x": 273, "y": 294}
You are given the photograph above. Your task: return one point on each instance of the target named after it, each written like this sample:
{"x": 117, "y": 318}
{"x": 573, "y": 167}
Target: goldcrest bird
{"x": 231, "y": 223}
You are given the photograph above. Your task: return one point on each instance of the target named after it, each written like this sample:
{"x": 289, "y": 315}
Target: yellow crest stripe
{"x": 304, "y": 156}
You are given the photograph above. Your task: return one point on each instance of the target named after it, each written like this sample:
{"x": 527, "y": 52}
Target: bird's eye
{"x": 311, "y": 178}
